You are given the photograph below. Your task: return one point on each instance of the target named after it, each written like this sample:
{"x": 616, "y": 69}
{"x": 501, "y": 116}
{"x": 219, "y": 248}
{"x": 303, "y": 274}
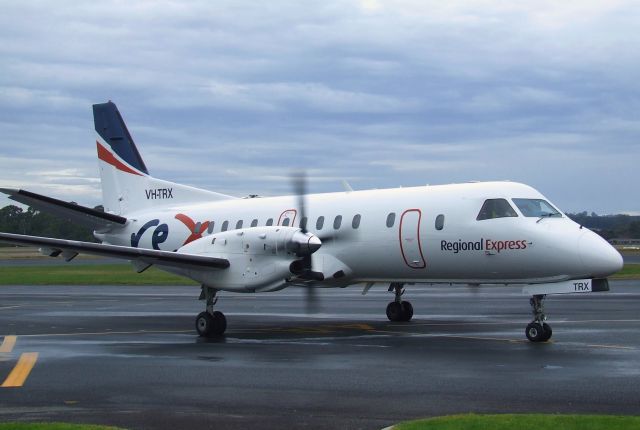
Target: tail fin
{"x": 126, "y": 183}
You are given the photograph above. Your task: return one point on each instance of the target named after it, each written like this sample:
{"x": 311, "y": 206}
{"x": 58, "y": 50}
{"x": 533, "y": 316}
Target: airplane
{"x": 503, "y": 233}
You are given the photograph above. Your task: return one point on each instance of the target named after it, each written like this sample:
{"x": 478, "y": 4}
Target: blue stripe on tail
{"x": 111, "y": 127}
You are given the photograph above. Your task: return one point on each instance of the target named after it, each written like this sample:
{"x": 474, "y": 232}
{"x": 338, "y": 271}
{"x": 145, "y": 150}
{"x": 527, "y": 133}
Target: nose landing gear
{"x": 210, "y": 323}
{"x": 399, "y": 310}
{"x": 538, "y": 330}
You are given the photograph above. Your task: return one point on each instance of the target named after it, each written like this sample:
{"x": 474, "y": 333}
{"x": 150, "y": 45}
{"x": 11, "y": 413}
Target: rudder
{"x": 126, "y": 183}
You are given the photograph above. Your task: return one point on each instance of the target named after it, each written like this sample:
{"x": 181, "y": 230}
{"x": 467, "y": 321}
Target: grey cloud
{"x": 234, "y": 95}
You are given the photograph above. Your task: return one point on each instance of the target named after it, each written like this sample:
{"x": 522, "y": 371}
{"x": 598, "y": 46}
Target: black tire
{"x": 535, "y": 332}
{"x": 394, "y": 311}
{"x": 407, "y": 311}
{"x": 219, "y": 324}
{"x": 547, "y": 332}
{"x": 204, "y": 324}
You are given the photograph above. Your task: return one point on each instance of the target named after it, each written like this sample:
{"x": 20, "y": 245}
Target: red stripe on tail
{"x": 108, "y": 157}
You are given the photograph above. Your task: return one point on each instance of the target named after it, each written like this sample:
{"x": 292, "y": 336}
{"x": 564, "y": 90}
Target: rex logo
{"x": 196, "y": 229}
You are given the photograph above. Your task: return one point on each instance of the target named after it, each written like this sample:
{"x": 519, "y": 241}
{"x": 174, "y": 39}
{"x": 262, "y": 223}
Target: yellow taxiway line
{"x": 20, "y": 373}
{"x": 7, "y": 344}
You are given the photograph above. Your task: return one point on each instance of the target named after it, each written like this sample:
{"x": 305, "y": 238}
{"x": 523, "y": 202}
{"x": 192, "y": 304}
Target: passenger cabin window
{"x": 355, "y": 223}
{"x": 536, "y": 208}
{"x": 210, "y": 228}
{"x": 303, "y": 222}
{"x": 225, "y": 226}
{"x": 320, "y": 223}
{"x": 254, "y": 223}
{"x": 285, "y": 222}
{"x": 440, "y": 222}
{"x": 337, "y": 222}
{"x": 239, "y": 225}
{"x": 391, "y": 219}
{"x": 495, "y": 208}
{"x": 269, "y": 222}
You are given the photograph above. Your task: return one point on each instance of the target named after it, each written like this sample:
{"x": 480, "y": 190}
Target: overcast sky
{"x": 233, "y": 95}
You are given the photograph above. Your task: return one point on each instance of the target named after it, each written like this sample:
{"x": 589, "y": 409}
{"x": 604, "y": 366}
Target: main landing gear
{"x": 210, "y": 323}
{"x": 538, "y": 330}
{"x": 399, "y": 310}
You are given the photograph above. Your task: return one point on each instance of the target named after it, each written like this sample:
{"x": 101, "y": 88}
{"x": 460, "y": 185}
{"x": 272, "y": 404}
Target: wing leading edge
{"x": 140, "y": 257}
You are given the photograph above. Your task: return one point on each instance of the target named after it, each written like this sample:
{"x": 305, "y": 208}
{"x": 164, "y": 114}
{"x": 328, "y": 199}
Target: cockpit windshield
{"x": 495, "y": 208}
{"x": 537, "y": 208}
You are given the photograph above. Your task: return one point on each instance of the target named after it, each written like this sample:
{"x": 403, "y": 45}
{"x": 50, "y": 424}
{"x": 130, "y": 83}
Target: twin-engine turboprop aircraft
{"x": 476, "y": 233}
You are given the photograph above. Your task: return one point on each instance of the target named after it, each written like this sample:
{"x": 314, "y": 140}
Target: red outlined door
{"x": 289, "y": 214}
{"x": 409, "y": 236}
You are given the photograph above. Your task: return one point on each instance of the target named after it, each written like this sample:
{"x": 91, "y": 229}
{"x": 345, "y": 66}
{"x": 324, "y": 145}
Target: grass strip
{"x": 53, "y": 426}
{"x": 87, "y": 274}
{"x": 524, "y": 422}
{"x": 629, "y": 271}
{"x": 123, "y": 274}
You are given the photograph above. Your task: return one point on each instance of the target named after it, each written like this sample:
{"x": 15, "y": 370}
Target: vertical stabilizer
{"x": 126, "y": 183}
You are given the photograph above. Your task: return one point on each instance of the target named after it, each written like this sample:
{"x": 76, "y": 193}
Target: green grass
{"x": 523, "y": 422}
{"x": 123, "y": 274}
{"x": 629, "y": 271}
{"x": 53, "y": 426}
{"x": 87, "y": 274}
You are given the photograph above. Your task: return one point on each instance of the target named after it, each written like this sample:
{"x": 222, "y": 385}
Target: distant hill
{"x": 14, "y": 219}
{"x": 610, "y": 226}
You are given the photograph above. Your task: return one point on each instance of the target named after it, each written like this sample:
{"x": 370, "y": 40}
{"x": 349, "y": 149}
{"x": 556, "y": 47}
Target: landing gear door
{"x": 409, "y": 237}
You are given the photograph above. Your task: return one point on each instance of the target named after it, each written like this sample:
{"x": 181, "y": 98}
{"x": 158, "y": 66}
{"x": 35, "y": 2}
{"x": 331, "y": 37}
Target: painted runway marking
{"x": 21, "y": 372}
{"x": 7, "y": 344}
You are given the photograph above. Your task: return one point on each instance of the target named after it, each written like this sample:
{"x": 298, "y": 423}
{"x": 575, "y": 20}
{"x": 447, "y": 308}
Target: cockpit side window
{"x": 495, "y": 208}
{"x": 537, "y": 208}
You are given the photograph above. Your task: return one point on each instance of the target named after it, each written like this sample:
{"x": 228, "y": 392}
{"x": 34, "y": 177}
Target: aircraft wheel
{"x": 220, "y": 323}
{"x": 407, "y": 311}
{"x": 204, "y": 324}
{"x": 547, "y": 332}
{"x": 535, "y": 332}
{"x": 394, "y": 311}
{"x": 209, "y": 325}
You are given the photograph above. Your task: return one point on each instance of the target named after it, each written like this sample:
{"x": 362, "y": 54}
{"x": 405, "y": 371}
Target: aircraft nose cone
{"x": 598, "y": 257}
{"x": 314, "y": 244}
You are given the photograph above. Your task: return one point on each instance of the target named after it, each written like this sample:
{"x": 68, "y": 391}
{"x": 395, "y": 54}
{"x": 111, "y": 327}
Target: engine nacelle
{"x": 259, "y": 257}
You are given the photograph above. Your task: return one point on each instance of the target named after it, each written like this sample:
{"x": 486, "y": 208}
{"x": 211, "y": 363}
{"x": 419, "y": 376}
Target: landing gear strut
{"x": 538, "y": 330}
{"x": 399, "y": 310}
{"x": 210, "y": 323}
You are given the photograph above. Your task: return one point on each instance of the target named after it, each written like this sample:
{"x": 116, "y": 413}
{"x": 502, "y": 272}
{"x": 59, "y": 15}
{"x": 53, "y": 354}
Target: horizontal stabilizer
{"x": 86, "y": 216}
{"x": 56, "y": 247}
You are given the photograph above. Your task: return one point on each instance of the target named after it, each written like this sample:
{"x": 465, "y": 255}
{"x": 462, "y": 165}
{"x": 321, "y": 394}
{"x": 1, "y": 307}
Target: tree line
{"x": 14, "y": 219}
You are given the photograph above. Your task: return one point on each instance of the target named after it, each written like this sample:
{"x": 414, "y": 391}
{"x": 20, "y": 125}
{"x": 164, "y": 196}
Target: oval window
{"x": 337, "y": 222}
{"x": 254, "y": 223}
{"x": 239, "y": 225}
{"x": 320, "y": 223}
{"x": 440, "y": 222}
{"x": 391, "y": 219}
{"x": 356, "y": 221}
{"x": 269, "y": 222}
{"x": 210, "y": 228}
{"x": 285, "y": 222}
{"x": 225, "y": 226}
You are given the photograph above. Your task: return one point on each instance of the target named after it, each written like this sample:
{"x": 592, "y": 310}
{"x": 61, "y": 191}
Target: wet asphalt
{"x": 129, "y": 356}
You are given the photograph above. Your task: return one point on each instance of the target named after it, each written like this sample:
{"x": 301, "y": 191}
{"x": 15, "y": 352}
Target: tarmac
{"x": 130, "y": 357}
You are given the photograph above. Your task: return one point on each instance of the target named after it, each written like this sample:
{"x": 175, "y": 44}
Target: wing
{"x": 81, "y": 214}
{"x": 142, "y": 258}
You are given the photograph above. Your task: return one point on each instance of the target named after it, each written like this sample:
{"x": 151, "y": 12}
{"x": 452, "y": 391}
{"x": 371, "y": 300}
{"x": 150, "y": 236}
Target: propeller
{"x": 304, "y": 266}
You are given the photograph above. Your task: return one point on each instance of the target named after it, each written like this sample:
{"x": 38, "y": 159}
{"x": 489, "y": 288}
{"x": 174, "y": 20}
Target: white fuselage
{"x": 409, "y": 248}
